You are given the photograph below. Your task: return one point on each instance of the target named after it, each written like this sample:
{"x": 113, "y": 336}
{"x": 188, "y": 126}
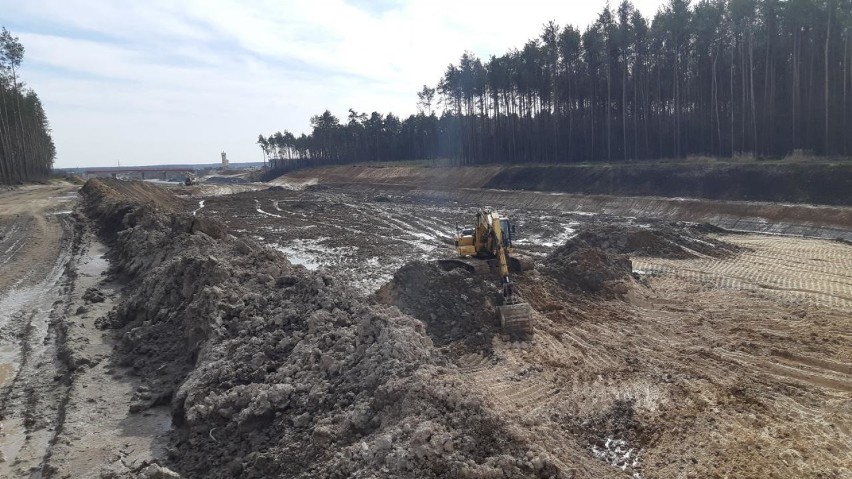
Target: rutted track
{"x": 816, "y": 272}
{"x": 35, "y": 247}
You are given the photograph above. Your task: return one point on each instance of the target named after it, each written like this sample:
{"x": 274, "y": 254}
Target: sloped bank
{"x": 820, "y": 182}
{"x": 273, "y": 370}
{"x": 815, "y": 183}
{"x": 495, "y": 186}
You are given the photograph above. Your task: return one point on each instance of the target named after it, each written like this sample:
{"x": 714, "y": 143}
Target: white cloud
{"x": 163, "y": 82}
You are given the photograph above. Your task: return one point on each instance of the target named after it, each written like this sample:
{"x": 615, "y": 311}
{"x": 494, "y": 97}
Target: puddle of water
{"x": 312, "y": 254}
{"x": 550, "y": 241}
{"x": 297, "y": 257}
{"x": 618, "y": 453}
{"x": 200, "y": 205}
{"x": 93, "y": 266}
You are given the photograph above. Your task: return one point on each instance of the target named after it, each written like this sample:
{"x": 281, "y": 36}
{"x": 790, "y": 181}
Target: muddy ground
{"x": 135, "y": 340}
{"x": 728, "y": 364}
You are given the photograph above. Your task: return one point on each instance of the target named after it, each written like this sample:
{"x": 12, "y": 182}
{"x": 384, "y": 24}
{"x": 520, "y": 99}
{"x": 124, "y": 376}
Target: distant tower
{"x": 224, "y": 160}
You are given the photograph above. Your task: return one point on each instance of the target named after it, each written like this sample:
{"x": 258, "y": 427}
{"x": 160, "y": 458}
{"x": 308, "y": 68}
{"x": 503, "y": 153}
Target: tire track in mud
{"x": 783, "y": 364}
{"x": 815, "y": 271}
{"x": 31, "y": 405}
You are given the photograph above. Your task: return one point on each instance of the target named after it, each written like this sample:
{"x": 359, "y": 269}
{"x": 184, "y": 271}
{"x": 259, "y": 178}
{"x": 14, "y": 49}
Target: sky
{"x": 164, "y": 82}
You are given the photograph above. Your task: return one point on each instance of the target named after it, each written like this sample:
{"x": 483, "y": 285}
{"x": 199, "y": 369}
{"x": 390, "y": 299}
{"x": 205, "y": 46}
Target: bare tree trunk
{"x": 5, "y": 143}
{"x": 732, "y": 100}
{"x": 795, "y": 67}
{"x": 608, "y": 111}
{"x": 25, "y": 161}
{"x": 624, "y": 110}
{"x": 755, "y": 147}
{"x": 827, "y": 41}
{"x": 845, "y": 67}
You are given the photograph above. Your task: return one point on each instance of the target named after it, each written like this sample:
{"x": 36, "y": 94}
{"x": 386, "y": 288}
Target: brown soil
{"x": 242, "y": 337}
{"x": 273, "y": 370}
{"x": 661, "y": 240}
{"x": 687, "y": 373}
{"x": 589, "y": 269}
{"x": 456, "y": 306}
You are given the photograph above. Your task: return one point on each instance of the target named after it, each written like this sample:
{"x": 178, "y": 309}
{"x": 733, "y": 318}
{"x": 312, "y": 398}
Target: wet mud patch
{"x": 615, "y": 436}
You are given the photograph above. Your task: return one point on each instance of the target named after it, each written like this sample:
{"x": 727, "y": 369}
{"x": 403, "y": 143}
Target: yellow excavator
{"x": 490, "y": 239}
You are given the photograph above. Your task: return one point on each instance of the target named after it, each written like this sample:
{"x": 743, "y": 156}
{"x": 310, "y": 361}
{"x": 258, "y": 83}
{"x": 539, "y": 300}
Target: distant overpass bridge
{"x": 142, "y": 172}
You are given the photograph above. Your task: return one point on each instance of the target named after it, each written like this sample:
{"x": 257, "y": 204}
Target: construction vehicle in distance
{"x": 490, "y": 242}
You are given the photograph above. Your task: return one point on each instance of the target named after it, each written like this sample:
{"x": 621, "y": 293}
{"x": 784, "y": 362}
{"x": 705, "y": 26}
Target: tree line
{"x": 717, "y": 78}
{"x": 26, "y": 148}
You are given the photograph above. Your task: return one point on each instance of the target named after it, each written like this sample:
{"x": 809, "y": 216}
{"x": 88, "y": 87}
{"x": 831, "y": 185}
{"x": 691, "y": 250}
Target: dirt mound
{"x": 455, "y": 306}
{"x": 111, "y": 202}
{"x": 596, "y": 259}
{"x": 132, "y": 192}
{"x": 579, "y": 267}
{"x": 663, "y": 240}
{"x": 272, "y": 370}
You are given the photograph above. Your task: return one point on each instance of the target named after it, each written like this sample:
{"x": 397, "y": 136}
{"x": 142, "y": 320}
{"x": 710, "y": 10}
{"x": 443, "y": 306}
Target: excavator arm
{"x": 500, "y": 245}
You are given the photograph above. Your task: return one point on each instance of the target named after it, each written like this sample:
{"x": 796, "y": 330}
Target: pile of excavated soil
{"x": 133, "y": 193}
{"x": 456, "y": 306}
{"x": 582, "y": 268}
{"x": 116, "y": 199}
{"x": 662, "y": 240}
{"x": 595, "y": 260}
{"x": 275, "y": 371}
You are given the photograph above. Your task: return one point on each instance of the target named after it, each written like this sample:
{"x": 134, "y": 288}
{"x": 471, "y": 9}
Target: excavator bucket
{"x": 516, "y": 319}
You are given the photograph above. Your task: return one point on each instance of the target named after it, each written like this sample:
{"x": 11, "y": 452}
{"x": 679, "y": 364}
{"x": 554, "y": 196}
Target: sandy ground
{"x": 736, "y": 367}
{"x": 63, "y": 405}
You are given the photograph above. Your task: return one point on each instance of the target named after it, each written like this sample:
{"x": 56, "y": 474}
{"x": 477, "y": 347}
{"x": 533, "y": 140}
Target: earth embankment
{"x": 476, "y": 185}
{"x": 274, "y": 370}
{"x": 819, "y": 182}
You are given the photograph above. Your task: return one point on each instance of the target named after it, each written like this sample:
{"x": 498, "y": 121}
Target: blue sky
{"x": 177, "y": 82}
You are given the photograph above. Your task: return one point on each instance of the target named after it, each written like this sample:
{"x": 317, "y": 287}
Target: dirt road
{"x": 35, "y": 246}
{"x": 62, "y": 411}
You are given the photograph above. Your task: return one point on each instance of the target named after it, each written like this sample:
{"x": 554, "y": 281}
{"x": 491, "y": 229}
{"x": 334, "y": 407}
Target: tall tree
{"x": 708, "y": 77}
